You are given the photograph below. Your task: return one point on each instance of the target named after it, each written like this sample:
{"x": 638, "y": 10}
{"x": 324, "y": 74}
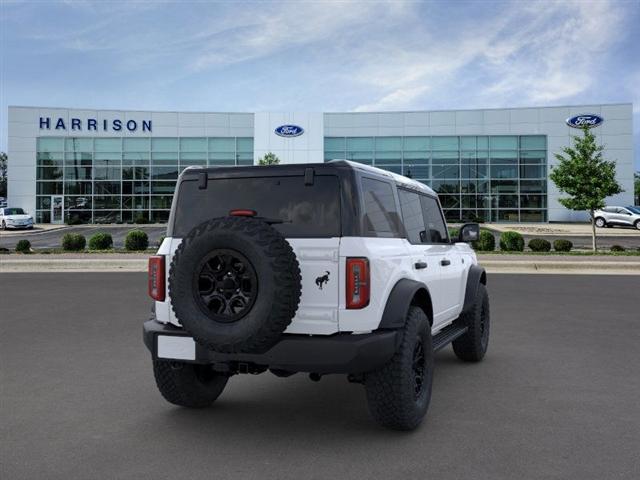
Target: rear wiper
{"x": 272, "y": 221}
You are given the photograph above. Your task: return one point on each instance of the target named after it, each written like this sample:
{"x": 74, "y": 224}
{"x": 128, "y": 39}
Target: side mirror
{"x": 469, "y": 232}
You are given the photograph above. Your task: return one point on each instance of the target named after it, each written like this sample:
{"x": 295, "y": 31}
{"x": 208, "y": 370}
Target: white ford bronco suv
{"x": 320, "y": 268}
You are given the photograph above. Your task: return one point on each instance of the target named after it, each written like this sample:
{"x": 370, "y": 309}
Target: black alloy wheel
{"x": 225, "y": 285}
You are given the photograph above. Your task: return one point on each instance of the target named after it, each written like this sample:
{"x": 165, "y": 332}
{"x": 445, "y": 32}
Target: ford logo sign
{"x": 587, "y": 120}
{"x": 289, "y": 131}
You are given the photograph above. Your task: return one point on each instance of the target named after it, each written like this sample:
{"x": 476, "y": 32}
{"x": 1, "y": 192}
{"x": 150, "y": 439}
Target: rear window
{"x": 306, "y": 210}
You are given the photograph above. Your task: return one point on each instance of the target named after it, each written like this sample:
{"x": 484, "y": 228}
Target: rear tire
{"x": 472, "y": 346}
{"x": 600, "y": 222}
{"x": 399, "y": 393}
{"x": 187, "y": 384}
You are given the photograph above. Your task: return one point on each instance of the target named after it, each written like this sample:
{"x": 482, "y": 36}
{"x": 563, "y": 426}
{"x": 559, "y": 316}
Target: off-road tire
{"x": 472, "y": 346}
{"x": 602, "y": 221}
{"x": 276, "y": 296}
{"x": 188, "y": 385}
{"x": 391, "y": 391}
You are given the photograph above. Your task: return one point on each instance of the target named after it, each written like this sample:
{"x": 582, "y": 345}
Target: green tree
{"x": 636, "y": 187}
{"x": 269, "y": 159}
{"x": 585, "y": 177}
{"x": 3, "y": 174}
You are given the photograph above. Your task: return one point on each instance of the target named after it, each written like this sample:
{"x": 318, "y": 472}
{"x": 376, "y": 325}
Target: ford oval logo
{"x": 289, "y": 131}
{"x": 587, "y": 120}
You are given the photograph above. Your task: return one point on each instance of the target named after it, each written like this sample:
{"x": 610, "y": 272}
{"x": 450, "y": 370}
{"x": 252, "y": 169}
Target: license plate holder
{"x": 174, "y": 347}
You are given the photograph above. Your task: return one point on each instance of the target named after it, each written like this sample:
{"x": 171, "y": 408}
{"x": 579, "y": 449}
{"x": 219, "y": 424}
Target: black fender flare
{"x": 476, "y": 276}
{"x": 404, "y": 294}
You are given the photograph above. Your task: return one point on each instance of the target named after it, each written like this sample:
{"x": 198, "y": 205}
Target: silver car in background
{"x": 620, "y": 216}
{"x": 15, "y": 218}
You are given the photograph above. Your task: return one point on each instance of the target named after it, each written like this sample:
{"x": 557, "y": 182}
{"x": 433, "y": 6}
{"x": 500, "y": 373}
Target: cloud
{"x": 257, "y": 33}
{"x": 524, "y": 55}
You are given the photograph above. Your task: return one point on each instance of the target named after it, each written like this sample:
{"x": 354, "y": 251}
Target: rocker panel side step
{"x": 447, "y": 335}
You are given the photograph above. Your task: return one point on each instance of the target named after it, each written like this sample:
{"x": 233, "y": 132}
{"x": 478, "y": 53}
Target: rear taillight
{"x": 358, "y": 286}
{"x": 156, "y": 277}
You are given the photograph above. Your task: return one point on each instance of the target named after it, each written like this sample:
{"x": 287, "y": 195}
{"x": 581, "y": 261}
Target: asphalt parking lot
{"x": 53, "y": 238}
{"x": 557, "y": 396}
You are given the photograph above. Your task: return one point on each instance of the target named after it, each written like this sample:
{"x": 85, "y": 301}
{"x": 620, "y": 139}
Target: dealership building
{"x": 107, "y": 166}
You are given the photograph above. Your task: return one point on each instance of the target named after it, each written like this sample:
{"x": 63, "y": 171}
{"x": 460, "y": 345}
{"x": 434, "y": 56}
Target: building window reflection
{"x": 478, "y": 177}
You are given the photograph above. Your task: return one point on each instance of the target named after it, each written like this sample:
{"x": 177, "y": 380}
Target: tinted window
{"x": 13, "y": 211}
{"x": 306, "y": 210}
{"x": 380, "y": 214}
{"x": 412, "y": 215}
{"x": 436, "y": 228}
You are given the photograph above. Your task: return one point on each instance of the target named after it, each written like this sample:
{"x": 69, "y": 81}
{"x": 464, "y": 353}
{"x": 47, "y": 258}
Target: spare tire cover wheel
{"x": 234, "y": 284}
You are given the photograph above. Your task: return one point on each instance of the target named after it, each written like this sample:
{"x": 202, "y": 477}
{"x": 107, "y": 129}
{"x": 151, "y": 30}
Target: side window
{"x": 380, "y": 213}
{"x": 412, "y": 216}
{"x": 436, "y": 228}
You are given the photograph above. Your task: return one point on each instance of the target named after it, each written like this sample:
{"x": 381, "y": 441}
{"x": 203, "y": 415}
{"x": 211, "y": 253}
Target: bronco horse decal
{"x": 322, "y": 279}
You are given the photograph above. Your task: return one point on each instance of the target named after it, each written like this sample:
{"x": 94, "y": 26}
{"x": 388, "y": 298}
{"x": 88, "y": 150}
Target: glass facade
{"x": 501, "y": 178}
{"x": 109, "y": 180}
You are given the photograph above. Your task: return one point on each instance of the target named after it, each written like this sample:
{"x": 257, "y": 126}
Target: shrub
{"x": 454, "y": 233}
{"x": 539, "y": 245}
{"x": 136, "y": 240}
{"x": 486, "y": 242}
{"x": 73, "y": 242}
{"x": 100, "y": 241}
{"x": 23, "y": 246}
{"x": 511, "y": 242}
{"x": 562, "y": 245}
{"x": 617, "y": 248}
{"x": 141, "y": 220}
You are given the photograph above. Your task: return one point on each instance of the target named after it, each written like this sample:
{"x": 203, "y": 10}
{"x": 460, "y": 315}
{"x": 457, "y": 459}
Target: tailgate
{"x": 318, "y": 309}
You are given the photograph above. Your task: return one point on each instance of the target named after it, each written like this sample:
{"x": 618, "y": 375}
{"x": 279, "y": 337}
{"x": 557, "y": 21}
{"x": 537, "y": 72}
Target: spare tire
{"x": 234, "y": 284}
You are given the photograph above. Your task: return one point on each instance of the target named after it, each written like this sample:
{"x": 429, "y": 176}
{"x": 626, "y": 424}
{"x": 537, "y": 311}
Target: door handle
{"x": 445, "y": 262}
{"x": 420, "y": 265}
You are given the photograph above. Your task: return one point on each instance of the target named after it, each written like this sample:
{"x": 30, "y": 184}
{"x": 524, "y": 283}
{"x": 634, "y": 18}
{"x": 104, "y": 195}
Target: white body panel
{"x": 317, "y": 312}
{"x": 322, "y": 311}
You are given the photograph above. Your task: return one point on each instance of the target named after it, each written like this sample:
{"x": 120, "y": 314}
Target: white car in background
{"x": 621, "y": 216}
{"x": 15, "y": 218}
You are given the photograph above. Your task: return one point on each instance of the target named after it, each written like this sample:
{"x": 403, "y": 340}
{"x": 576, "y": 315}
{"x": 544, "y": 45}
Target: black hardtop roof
{"x": 268, "y": 170}
{"x": 334, "y": 167}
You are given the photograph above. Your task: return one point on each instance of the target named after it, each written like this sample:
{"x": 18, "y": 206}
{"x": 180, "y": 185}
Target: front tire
{"x": 472, "y": 346}
{"x": 4, "y": 225}
{"x": 600, "y": 222}
{"x": 637, "y": 224}
{"x": 399, "y": 393}
{"x": 187, "y": 384}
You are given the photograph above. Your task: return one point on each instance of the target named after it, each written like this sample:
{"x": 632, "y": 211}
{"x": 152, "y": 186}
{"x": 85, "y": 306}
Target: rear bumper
{"x": 339, "y": 353}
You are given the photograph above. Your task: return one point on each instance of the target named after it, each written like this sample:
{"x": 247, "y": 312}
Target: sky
{"x": 318, "y": 55}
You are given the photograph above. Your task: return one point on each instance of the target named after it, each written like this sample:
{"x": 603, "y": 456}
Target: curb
{"x": 73, "y": 265}
{"x": 33, "y": 265}
{"x": 566, "y": 267}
